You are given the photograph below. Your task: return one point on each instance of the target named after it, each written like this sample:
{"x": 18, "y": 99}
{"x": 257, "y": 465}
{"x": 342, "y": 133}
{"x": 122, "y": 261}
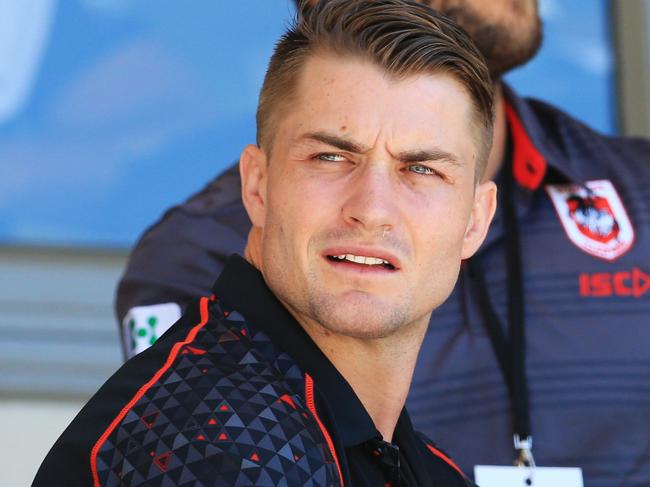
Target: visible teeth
{"x": 361, "y": 259}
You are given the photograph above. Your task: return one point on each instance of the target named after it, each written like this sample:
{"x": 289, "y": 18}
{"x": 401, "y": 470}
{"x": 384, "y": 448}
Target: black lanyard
{"x": 510, "y": 348}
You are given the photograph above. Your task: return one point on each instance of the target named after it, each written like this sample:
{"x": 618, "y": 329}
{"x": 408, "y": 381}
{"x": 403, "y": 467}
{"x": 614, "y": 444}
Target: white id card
{"x": 502, "y": 476}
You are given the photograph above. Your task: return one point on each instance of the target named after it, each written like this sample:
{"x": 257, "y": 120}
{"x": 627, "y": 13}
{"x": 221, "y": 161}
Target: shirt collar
{"x": 534, "y": 155}
{"x": 535, "y": 147}
{"x": 242, "y": 288}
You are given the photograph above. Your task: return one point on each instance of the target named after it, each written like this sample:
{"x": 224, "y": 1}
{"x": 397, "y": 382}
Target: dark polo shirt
{"x": 237, "y": 393}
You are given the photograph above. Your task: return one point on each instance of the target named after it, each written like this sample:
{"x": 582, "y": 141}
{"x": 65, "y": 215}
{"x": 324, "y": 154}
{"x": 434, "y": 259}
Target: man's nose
{"x": 371, "y": 199}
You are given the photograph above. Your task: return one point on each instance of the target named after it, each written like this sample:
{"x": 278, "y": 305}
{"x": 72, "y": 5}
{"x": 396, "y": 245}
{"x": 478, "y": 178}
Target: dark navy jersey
{"x": 237, "y": 394}
{"x": 583, "y": 206}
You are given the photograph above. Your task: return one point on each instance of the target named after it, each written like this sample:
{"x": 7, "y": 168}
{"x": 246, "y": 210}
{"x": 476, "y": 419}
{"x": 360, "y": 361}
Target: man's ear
{"x": 253, "y": 172}
{"x": 485, "y": 204}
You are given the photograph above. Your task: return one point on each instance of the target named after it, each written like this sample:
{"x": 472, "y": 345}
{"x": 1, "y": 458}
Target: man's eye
{"x": 419, "y": 169}
{"x": 328, "y": 157}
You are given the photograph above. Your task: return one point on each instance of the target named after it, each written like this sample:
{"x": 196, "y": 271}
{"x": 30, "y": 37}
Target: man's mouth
{"x": 362, "y": 260}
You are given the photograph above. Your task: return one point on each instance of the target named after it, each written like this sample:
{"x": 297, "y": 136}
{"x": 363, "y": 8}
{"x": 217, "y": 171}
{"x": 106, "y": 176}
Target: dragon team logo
{"x": 594, "y": 217}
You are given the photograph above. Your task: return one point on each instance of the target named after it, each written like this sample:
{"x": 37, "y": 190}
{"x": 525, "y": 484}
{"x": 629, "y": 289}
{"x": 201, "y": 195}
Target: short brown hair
{"x": 402, "y": 37}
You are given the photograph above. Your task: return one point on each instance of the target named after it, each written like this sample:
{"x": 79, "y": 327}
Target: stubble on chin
{"x": 362, "y": 317}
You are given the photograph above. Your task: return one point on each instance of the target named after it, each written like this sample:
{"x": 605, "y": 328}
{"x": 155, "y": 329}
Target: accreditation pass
{"x": 503, "y": 476}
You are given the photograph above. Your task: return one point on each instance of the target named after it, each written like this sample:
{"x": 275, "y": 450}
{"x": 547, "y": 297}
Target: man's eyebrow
{"x": 424, "y": 155}
{"x": 408, "y": 156}
{"x": 335, "y": 141}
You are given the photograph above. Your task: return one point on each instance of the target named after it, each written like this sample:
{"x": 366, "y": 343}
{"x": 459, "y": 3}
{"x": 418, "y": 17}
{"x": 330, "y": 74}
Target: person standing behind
{"x": 573, "y": 295}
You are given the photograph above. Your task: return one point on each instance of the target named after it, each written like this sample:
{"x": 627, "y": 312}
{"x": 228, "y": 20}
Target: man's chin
{"x": 362, "y": 318}
{"x": 369, "y": 331}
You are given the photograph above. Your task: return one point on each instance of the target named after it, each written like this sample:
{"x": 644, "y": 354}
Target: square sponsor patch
{"x": 143, "y": 325}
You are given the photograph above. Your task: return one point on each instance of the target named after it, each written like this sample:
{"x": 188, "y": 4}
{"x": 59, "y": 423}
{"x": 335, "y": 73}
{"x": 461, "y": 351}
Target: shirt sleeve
{"x": 69, "y": 463}
{"x": 178, "y": 259}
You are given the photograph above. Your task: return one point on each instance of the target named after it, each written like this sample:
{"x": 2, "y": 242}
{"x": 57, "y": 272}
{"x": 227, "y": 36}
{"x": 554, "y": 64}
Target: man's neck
{"x": 378, "y": 370}
{"x": 499, "y": 135}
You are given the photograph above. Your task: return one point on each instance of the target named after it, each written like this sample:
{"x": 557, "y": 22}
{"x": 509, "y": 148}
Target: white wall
{"x": 28, "y": 428}
{"x": 58, "y": 343}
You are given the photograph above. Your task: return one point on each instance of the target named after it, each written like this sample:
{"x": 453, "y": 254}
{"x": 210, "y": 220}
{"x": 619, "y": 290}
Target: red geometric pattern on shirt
{"x": 227, "y": 412}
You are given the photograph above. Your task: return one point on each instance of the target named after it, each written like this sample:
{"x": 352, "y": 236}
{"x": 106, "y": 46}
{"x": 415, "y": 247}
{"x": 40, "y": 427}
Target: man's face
{"x": 367, "y": 205}
{"x": 507, "y": 32}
